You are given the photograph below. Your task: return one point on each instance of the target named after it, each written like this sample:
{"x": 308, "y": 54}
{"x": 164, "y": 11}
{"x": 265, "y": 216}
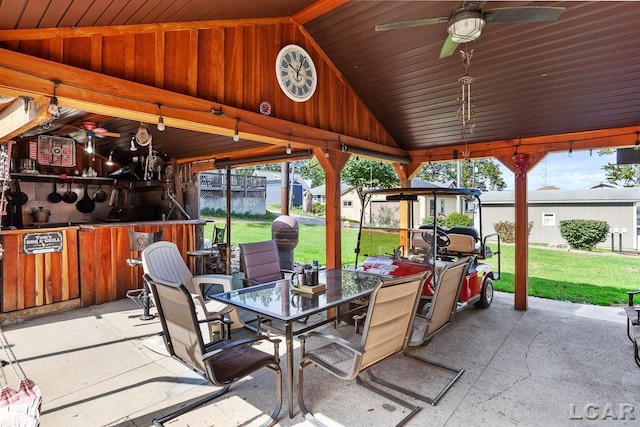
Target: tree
{"x": 312, "y": 170}
{"x": 625, "y": 175}
{"x": 487, "y": 175}
{"x": 362, "y": 173}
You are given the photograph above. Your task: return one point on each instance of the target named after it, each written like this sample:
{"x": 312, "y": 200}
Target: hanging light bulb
{"x": 133, "y": 147}
{"x": 570, "y": 148}
{"x": 288, "y": 150}
{"x": 53, "y": 103}
{"x": 89, "y": 148}
{"x": 236, "y": 137}
{"x": 637, "y": 144}
{"x": 160, "y": 119}
{"x": 110, "y": 159}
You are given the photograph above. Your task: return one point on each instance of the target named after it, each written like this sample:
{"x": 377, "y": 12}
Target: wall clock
{"x": 296, "y": 73}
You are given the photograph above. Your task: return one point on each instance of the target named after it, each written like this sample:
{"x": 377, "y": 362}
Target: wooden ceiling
{"x": 539, "y": 86}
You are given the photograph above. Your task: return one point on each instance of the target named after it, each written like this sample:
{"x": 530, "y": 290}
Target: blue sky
{"x": 581, "y": 169}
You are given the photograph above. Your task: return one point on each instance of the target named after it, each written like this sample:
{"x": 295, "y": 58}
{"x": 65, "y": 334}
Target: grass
{"x": 577, "y": 276}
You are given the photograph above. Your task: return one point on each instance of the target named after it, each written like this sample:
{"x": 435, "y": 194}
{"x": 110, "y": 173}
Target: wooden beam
{"x": 23, "y": 114}
{"x": 316, "y": 10}
{"x": 586, "y": 140}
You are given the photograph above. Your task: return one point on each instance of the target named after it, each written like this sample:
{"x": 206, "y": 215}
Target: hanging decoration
{"x": 465, "y": 112}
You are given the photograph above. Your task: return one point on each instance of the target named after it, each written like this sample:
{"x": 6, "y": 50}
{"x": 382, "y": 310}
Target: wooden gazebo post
{"x": 332, "y": 162}
{"x": 405, "y": 173}
{"x": 520, "y": 165}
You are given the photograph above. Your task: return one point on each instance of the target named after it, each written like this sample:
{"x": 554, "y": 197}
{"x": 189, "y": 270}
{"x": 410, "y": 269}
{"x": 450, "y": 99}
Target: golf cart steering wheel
{"x": 442, "y": 237}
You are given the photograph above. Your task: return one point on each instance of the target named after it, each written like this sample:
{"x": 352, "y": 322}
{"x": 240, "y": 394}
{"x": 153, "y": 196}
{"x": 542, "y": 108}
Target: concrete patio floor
{"x": 555, "y": 364}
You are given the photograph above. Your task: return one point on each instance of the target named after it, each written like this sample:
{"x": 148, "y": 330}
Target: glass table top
{"x": 280, "y": 300}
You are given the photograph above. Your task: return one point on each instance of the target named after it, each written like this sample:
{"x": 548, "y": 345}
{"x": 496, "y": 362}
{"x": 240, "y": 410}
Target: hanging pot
{"x": 19, "y": 198}
{"x": 100, "y": 195}
{"x": 86, "y": 204}
{"x": 54, "y": 197}
{"x": 69, "y": 196}
{"x": 40, "y": 215}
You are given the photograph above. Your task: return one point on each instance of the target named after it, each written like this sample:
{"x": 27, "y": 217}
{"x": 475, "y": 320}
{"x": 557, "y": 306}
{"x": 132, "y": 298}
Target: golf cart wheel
{"x": 486, "y": 296}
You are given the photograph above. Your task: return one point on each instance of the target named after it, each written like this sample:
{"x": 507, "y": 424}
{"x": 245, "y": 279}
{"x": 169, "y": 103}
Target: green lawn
{"x": 577, "y": 276}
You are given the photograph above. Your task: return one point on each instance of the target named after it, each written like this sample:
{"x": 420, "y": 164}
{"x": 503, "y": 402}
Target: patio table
{"x": 280, "y": 301}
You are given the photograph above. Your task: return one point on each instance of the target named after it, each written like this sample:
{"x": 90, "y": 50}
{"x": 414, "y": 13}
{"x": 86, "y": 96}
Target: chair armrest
{"x": 216, "y": 279}
{"x": 240, "y": 343}
{"x": 249, "y": 282}
{"x": 631, "y": 294}
{"x": 334, "y": 339}
{"x": 216, "y": 320}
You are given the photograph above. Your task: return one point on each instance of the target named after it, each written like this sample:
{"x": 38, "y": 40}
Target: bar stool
{"x": 138, "y": 241}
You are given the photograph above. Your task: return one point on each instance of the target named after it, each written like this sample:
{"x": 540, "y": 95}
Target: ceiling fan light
{"x": 466, "y": 28}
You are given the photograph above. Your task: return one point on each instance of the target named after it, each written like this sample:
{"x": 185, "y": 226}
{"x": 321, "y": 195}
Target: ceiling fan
{"x": 466, "y": 22}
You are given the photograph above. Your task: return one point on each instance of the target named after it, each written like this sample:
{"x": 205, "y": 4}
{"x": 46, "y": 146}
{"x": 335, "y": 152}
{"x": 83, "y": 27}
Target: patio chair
{"x": 163, "y": 261}
{"x": 260, "y": 263}
{"x": 388, "y": 321}
{"x": 222, "y": 362}
{"x": 138, "y": 241}
{"x": 443, "y": 303}
{"x": 633, "y": 324}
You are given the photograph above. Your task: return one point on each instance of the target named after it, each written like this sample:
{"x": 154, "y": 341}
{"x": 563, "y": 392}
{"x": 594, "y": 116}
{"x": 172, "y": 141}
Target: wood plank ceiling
{"x": 538, "y": 85}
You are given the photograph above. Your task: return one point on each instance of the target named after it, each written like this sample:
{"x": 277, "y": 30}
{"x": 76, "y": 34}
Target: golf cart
{"x": 395, "y": 252}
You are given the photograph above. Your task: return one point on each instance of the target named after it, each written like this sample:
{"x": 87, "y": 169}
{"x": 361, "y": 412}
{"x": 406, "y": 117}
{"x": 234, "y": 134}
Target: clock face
{"x": 296, "y": 73}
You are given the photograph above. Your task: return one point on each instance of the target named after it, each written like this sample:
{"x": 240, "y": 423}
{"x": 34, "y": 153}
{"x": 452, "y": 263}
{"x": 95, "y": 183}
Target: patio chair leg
{"x": 159, "y": 422}
{"x": 636, "y": 353}
{"x": 432, "y": 401}
{"x": 313, "y": 420}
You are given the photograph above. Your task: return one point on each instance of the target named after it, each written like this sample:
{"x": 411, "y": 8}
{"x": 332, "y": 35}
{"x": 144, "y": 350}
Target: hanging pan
{"x": 86, "y": 204}
{"x": 19, "y": 198}
{"x": 100, "y": 195}
{"x": 55, "y": 197}
{"x": 69, "y": 196}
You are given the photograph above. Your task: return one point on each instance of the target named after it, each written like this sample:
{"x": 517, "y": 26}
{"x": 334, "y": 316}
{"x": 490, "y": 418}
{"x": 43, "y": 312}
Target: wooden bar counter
{"x": 46, "y": 270}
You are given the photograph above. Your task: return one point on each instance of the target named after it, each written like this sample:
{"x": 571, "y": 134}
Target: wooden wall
{"x": 230, "y": 62}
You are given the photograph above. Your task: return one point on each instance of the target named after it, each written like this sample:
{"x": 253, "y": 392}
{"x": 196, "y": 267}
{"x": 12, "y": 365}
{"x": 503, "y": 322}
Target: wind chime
{"x": 465, "y": 112}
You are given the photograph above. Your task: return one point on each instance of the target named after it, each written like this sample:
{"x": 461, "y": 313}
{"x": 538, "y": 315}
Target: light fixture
{"x": 570, "y": 148}
{"x": 217, "y": 112}
{"x": 89, "y": 148}
{"x": 637, "y": 144}
{"x": 133, "y": 147}
{"x": 161, "y": 126}
{"x": 466, "y": 27}
{"x": 53, "y": 103}
{"x": 288, "y": 150}
{"x": 236, "y": 137}
{"x": 465, "y": 112}
{"x": 110, "y": 159}
{"x": 326, "y": 153}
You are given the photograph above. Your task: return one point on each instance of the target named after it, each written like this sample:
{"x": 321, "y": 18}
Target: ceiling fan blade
{"x": 508, "y": 15}
{"x": 408, "y": 24}
{"x": 107, "y": 133}
{"x": 448, "y": 47}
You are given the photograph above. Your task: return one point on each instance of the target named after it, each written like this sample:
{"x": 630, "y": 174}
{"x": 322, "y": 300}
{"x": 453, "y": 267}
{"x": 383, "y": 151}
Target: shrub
{"x": 507, "y": 230}
{"x": 584, "y": 234}
{"x": 318, "y": 208}
{"x": 386, "y": 217}
{"x": 456, "y": 218}
{"x": 429, "y": 220}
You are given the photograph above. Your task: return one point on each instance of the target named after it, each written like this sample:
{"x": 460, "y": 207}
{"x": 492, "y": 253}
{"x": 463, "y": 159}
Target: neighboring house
{"x": 605, "y": 202}
{"x": 319, "y": 193}
{"x": 274, "y": 187}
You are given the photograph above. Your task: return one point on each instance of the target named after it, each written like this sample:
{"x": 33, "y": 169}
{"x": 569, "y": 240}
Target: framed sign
{"x": 40, "y": 243}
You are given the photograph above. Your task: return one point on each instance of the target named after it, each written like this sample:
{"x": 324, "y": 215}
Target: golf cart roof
{"x": 409, "y": 193}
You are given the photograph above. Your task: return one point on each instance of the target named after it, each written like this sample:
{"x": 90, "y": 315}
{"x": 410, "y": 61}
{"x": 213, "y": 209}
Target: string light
{"x": 110, "y": 159}
{"x": 53, "y": 103}
{"x": 161, "y": 126}
{"x": 288, "y": 150}
{"x": 236, "y": 136}
{"x": 133, "y": 147}
{"x": 570, "y": 148}
{"x": 637, "y": 144}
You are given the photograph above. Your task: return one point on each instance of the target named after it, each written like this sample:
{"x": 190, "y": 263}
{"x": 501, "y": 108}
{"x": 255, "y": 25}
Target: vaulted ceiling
{"x": 538, "y": 87}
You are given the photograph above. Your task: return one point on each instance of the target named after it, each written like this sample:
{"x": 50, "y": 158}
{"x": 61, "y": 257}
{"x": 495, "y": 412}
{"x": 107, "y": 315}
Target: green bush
{"x": 456, "y": 218}
{"x": 584, "y": 234}
{"x": 507, "y": 230}
{"x": 442, "y": 221}
{"x": 319, "y": 208}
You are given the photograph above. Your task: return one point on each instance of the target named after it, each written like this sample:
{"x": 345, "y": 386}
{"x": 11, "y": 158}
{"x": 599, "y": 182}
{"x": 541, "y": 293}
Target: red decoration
{"x": 521, "y": 164}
